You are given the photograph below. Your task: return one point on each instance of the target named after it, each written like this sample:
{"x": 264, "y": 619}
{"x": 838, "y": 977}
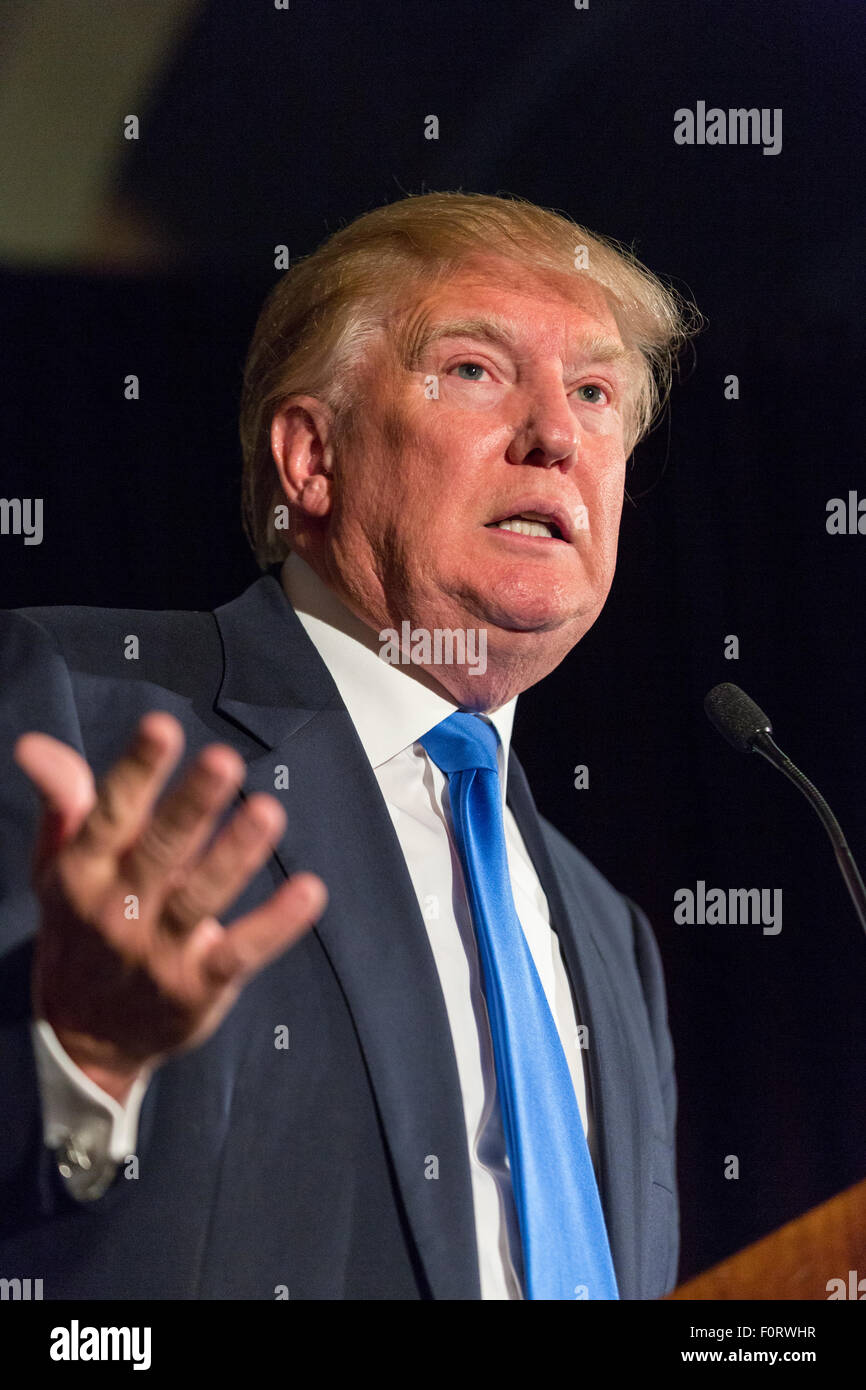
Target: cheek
{"x": 602, "y": 490}
{"x": 611, "y": 493}
{"x": 451, "y": 434}
{"x": 606, "y": 473}
{"x": 446, "y": 458}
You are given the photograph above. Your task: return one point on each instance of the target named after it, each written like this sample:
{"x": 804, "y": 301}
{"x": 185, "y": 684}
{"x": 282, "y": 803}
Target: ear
{"x": 302, "y": 449}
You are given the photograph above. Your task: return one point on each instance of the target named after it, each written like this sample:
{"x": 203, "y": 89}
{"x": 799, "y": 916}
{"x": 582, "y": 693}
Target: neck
{"x": 475, "y": 663}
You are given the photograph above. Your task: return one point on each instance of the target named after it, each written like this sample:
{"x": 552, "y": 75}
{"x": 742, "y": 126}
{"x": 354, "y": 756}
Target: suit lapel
{"x": 277, "y": 688}
{"x": 614, "y": 1087}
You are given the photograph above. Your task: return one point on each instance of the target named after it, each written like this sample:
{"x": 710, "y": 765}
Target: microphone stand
{"x": 764, "y": 744}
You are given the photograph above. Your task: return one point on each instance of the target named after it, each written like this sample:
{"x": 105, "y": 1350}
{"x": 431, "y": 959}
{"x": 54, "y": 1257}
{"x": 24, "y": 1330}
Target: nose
{"x": 547, "y": 436}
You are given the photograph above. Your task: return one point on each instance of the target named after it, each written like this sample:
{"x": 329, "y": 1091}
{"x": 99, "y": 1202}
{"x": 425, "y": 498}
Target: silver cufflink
{"x": 76, "y": 1166}
{"x": 71, "y": 1160}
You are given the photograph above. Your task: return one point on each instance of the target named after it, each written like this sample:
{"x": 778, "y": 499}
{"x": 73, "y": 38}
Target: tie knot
{"x": 462, "y": 742}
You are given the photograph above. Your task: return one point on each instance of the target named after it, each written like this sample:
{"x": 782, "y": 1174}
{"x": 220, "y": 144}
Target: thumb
{"x": 65, "y": 784}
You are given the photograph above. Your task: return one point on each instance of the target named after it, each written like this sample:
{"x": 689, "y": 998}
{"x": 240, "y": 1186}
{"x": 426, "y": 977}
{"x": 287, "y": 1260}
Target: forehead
{"x": 550, "y": 311}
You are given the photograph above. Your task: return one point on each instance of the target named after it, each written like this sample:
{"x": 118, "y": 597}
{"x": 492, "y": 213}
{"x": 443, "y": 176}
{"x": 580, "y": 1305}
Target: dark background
{"x": 268, "y": 127}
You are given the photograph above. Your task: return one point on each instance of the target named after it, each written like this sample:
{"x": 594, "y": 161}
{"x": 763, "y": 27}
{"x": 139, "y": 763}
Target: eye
{"x": 470, "y": 366}
{"x": 598, "y": 398}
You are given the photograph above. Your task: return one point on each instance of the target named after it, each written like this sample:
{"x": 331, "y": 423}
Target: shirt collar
{"x": 390, "y": 706}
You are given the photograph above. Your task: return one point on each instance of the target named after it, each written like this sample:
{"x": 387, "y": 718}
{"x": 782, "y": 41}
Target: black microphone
{"x": 746, "y": 727}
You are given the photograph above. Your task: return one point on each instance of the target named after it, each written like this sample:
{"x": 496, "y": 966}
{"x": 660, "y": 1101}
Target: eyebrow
{"x": 595, "y": 348}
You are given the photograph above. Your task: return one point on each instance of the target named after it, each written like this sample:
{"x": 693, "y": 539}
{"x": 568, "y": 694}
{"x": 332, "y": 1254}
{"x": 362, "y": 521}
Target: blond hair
{"x": 324, "y": 314}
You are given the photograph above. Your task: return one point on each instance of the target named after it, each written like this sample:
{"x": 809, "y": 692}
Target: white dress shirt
{"x": 391, "y": 706}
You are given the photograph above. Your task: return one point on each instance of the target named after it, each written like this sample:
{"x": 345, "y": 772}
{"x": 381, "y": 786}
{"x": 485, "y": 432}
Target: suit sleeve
{"x": 649, "y": 965}
{"x": 35, "y": 695}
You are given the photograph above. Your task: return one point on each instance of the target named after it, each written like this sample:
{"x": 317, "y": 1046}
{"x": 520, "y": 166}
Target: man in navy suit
{"x": 438, "y": 407}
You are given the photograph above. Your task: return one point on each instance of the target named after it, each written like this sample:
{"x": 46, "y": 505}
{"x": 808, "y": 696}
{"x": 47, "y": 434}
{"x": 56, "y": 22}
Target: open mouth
{"x": 529, "y": 524}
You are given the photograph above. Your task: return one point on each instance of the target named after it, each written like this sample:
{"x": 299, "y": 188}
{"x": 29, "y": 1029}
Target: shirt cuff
{"x": 89, "y": 1132}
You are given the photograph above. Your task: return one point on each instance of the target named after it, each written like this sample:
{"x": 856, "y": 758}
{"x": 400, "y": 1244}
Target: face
{"x": 510, "y": 405}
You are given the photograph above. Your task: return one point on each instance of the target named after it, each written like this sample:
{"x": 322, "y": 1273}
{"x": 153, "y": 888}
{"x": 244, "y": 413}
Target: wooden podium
{"x": 798, "y": 1260}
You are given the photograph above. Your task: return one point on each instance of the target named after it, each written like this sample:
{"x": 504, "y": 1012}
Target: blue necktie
{"x": 565, "y": 1247}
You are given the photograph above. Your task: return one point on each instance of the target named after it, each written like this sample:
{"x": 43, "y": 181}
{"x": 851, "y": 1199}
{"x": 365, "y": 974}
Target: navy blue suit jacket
{"x": 306, "y": 1168}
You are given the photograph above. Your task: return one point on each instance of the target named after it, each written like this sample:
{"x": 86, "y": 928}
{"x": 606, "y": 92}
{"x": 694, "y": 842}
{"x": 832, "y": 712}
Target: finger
{"x": 125, "y": 795}
{"x": 249, "y": 944}
{"x": 182, "y": 821}
{"x": 65, "y": 784}
{"x": 238, "y": 851}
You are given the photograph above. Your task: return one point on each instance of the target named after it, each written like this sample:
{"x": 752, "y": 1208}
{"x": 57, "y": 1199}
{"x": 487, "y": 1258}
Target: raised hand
{"x": 120, "y": 990}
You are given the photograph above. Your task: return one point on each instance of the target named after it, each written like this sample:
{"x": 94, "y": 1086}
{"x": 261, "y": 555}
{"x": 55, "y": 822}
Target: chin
{"x": 518, "y": 604}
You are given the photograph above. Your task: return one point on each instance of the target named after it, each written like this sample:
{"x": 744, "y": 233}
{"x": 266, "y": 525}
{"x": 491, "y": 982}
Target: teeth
{"x": 523, "y": 527}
